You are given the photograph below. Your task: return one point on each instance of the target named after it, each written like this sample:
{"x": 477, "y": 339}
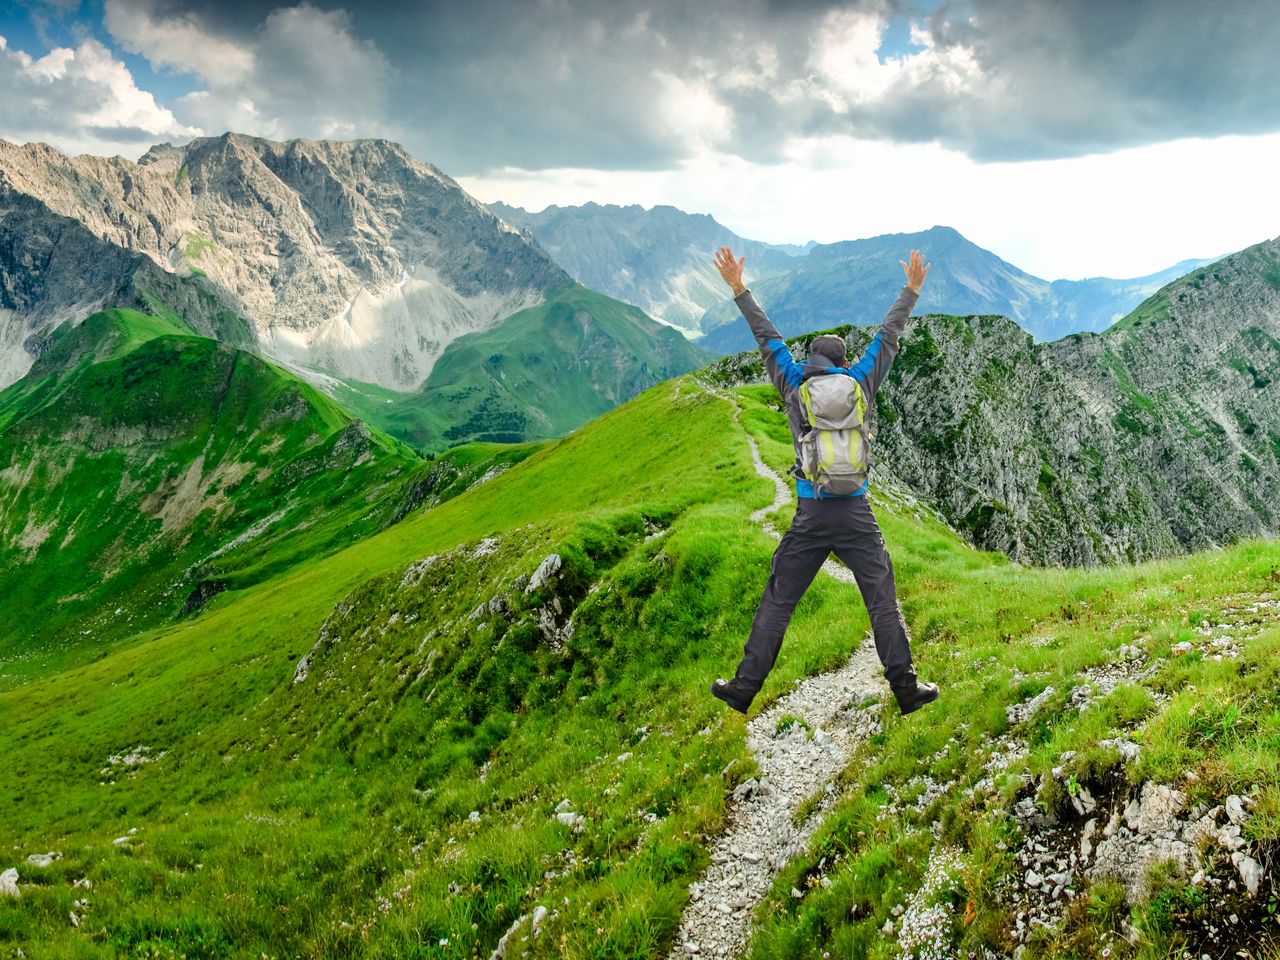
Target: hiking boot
{"x": 914, "y": 697}
{"x": 732, "y": 694}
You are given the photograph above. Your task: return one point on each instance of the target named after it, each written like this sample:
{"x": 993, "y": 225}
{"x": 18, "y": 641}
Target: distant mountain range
{"x": 659, "y": 259}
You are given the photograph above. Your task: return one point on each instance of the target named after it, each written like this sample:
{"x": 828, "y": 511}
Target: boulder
{"x": 547, "y": 569}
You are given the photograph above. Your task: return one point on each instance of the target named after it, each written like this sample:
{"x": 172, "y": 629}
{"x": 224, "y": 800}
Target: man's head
{"x": 827, "y": 349}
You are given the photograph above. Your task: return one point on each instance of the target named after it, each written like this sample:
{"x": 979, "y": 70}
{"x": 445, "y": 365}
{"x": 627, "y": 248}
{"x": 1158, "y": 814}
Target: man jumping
{"x": 828, "y": 405}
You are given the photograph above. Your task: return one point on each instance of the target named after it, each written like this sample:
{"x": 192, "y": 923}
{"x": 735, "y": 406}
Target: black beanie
{"x": 829, "y": 347}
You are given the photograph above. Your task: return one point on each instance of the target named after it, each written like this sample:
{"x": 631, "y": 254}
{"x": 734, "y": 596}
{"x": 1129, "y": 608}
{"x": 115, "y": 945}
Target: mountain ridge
{"x": 651, "y": 256}
{"x": 658, "y": 258}
{"x": 853, "y": 281}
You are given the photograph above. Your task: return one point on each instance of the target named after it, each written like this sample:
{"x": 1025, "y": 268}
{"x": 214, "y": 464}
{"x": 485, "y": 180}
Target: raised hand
{"x": 915, "y": 271}
{"x": 731, "y": 269}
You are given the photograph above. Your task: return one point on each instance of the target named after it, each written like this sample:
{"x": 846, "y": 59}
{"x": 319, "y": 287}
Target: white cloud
{"x": 844, "y": 56}
{"x": 180, "y": 42}
{"x": 301, "y": 72}
{"x": 689, "y": 112}
{"x": 81, "y": 100}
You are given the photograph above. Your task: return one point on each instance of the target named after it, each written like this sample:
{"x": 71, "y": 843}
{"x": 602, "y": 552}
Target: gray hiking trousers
{"x": 847, "y": 528}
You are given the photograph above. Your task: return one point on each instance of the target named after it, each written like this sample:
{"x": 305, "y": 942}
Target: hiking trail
{"x": 797, "y": 761}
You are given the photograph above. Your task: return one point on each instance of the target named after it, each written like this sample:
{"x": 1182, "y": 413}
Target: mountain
{"x": 853, "y": 282}
{"x": 351, "y": 263}
{"x": 350, "y": 257}
{"x": 543, "y": 372}
{"x": 659, "y": 259}
{"x": 1092, "y": 305}
{"x": 53, "y": 269}
{"x": 1158, "y": 436}
{"x": 485, "y": 730}
{"x": 145, "y": 469}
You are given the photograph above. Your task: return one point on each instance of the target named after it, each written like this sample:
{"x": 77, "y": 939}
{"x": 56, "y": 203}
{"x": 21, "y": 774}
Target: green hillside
{"x": 144, "y": 469}
{"x": 542, "y": 372}
{"x": 400, "y": 792}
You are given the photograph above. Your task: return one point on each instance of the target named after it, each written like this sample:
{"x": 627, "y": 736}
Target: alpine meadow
{"x": 370, "y": 538}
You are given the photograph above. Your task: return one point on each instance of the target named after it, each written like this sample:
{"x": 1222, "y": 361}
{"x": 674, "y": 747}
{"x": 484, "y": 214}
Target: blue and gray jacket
{"x": 786, "y": 373}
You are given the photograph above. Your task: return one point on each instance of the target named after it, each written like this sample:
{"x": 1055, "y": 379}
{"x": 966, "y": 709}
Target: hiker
{"x": 828, "y": 406}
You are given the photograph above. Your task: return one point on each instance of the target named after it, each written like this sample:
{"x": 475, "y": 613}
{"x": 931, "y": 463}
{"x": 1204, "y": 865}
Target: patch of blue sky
{"x": 896, "y": 41}
{"x": 36, "y": 29}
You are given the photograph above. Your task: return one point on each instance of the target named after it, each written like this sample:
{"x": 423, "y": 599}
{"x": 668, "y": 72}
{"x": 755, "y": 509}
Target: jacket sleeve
{"x": 784, "y": 372}
{"x": 878, "y": 357}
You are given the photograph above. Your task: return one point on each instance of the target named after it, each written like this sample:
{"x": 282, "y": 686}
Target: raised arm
{"x": 784, "y": 373}
{"x": 878, "y": 357}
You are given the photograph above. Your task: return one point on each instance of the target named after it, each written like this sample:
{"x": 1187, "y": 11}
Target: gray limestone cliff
{"x": 350, "y": 257}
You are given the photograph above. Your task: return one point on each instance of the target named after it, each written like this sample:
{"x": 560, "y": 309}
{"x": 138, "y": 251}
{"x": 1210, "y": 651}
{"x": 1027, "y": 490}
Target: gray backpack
{"x": 835, "y": 453}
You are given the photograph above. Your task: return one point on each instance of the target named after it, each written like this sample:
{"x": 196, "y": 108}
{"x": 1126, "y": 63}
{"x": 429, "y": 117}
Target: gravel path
{"x": 796, "y": 764}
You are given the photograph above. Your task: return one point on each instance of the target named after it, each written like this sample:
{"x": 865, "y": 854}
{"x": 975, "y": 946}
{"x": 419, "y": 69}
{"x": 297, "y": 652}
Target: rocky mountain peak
{"x": 350, "y": 256}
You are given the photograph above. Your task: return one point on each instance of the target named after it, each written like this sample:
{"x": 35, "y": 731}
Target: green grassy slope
{"x": 542, "y": 372}
{"x": 334, "y": 816}
{"x": 143, "y": 469}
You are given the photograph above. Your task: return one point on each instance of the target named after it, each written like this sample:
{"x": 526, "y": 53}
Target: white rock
{"x": 9, "y": 883}
{"x": 500, "y": 952}
{"x": 1229, "y": 836}
{"x": 1236, "y": 812}
{"x": 563, "y": 805}
{"x": 43, "y": 859}
{"x": 1250, "y": 873}
{"x": 1155, "y": 810}
{"x": 1178, "y": 649}
{"x": 547, "y": 569}
{"x": 539, "y": 914}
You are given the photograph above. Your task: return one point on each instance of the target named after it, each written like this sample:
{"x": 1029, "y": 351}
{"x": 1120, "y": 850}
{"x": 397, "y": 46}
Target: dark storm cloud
{"x": 573, "y": 83}
{"x": 1071, "y": 78}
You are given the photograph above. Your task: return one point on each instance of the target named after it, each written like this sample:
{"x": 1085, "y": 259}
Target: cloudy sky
{"x": 1094, "y": 137}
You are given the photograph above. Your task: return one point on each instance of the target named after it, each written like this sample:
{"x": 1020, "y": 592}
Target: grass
{"x": 333, "y": 817}
{"x": 544, "y": 371}
{"x": 144, "y": 466}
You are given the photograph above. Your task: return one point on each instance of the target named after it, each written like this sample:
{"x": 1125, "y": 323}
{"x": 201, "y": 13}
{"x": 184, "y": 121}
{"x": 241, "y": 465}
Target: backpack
{"x": 835, "y": 454}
